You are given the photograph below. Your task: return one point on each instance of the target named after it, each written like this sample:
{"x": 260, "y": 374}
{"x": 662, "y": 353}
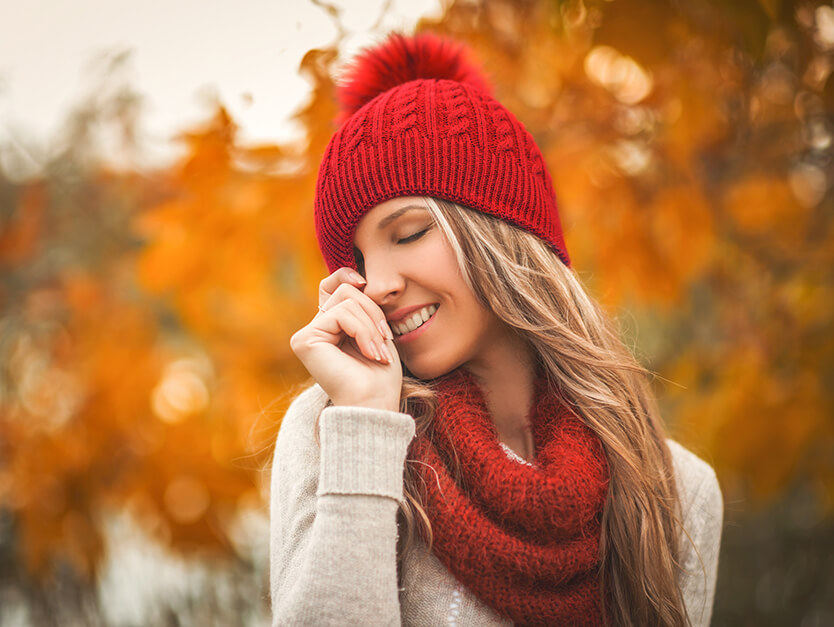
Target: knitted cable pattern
{"x": 524, "y": 538}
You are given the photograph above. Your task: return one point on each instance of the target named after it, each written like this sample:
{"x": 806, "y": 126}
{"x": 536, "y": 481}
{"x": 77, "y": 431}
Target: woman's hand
{"x": 348, "y": 347}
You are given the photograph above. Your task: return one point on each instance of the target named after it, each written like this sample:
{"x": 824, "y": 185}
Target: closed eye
{"x": 414, "y": 237}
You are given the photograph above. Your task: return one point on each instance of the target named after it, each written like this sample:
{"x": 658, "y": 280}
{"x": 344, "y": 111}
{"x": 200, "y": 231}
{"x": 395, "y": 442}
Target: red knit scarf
{"x": 523, "y": 538}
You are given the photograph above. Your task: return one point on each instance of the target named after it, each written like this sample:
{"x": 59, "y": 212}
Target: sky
{"x": 182, "y": 56}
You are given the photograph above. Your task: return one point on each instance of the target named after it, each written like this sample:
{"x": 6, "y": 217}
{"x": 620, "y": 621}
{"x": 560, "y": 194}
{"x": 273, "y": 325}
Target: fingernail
{"x": 388, "y": 354}
{"x": 385, "y": 330}
{"x": 358, "y": 278}
{"x": 377, "y": 354}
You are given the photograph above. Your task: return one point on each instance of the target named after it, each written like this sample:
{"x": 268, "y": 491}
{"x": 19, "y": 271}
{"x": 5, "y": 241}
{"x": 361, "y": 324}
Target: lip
{"x": 401, "y": 313}
{"x": 416, "y": 333}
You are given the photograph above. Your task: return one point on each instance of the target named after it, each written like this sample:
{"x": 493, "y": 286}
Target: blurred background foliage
{"x": 145, "y": 314}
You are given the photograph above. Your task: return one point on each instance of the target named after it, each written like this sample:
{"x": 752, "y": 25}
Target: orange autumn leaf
{"x": 20, "y": 235}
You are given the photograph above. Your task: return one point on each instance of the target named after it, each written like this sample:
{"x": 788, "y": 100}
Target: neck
{"x": 506, "y": 373}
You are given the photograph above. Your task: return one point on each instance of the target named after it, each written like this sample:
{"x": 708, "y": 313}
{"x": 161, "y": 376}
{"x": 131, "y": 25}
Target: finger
{"x": 345, "y": 292}
{"x": 348, "y": 318}
{"x": 377, "y": 335}
{"x": 364, "y": 307}
{"x": 329, "y": 284}
{"x": 387, "y": 353}
{"x": 390, "y": 349}
{"x": 334, "y": 329}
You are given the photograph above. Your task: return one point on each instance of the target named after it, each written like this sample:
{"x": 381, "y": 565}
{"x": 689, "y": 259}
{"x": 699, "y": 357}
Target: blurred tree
{"x": 145, "y": 323}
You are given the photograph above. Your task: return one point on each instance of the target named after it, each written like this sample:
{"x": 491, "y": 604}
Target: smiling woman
{"x": 470, "y": 400}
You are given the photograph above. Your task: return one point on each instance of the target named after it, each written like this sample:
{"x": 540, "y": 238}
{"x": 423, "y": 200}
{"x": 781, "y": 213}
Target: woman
{"x": 479, "y": 447}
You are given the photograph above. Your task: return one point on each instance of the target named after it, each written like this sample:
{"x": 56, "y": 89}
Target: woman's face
{"x": 413, "y": 275}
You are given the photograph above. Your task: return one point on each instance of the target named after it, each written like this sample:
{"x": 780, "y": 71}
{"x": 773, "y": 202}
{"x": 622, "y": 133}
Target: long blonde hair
{"x": 518, "y": 277}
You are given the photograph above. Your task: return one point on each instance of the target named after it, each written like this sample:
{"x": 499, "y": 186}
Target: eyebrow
{"x": 391, "y": 217}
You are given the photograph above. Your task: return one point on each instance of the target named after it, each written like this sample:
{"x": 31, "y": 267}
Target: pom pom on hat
{"x": 402, "y": 59}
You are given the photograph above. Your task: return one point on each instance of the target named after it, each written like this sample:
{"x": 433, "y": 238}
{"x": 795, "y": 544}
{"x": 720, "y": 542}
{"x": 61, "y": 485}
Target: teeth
{"x": 415, "y": 320}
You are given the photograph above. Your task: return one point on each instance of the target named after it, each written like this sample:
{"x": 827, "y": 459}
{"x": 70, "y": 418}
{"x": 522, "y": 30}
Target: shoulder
{"x": 304, "y": 409}
{"x": 296, "y": 433}
{"x": 697, "y": 484}
{"x": 702, "y": 514}
{"x": 695, "y": 478}
{"x": 308, "y": 403}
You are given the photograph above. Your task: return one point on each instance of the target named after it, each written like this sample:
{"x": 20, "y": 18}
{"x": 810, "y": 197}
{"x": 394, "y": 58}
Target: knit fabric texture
{"x": 425, "y": 124}
{"x": 524, "y": 538}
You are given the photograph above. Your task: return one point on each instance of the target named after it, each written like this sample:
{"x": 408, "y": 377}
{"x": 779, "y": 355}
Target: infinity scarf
{"x": 523, "y": 538}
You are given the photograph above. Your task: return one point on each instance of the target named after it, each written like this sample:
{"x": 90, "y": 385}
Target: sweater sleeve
{"x": 702, "y": 508}
{"x": 333, "y": 508}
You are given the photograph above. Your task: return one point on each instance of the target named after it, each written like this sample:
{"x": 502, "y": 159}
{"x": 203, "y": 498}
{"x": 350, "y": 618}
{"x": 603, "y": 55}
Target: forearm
{"x": 334, "y": 528}
{"x": 347, "y": 575}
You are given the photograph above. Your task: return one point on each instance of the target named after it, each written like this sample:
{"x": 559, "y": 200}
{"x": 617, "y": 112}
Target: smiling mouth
{"x": 414, "y": 321}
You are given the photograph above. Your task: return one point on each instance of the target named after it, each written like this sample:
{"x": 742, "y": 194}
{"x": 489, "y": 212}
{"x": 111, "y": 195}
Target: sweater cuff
{"x": 363, "y": 451}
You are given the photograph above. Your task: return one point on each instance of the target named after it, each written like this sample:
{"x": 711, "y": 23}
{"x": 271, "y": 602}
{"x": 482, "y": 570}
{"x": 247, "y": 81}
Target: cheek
{"x": 437, "y": 259}
{"x": 463, "y": 315}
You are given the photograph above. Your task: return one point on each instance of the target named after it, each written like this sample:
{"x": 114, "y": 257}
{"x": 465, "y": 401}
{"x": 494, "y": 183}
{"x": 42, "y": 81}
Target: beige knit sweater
{"x": 333, "y": 528}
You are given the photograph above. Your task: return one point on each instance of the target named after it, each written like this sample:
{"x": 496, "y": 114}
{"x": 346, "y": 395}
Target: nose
{"x": 384, "y": 282}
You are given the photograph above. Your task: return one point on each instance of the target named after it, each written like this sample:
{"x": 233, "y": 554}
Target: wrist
{"x": 386, "y": 404}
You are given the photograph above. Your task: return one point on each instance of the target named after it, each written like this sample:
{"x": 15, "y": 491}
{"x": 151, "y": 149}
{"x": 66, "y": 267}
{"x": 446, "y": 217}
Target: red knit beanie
{"x": 419, "y": 120}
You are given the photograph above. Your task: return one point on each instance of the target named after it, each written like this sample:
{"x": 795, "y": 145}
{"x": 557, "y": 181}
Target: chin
{"x": 426, "y": 371}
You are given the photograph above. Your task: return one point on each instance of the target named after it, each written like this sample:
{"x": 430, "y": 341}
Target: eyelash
{"x": 414, "y": 237}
